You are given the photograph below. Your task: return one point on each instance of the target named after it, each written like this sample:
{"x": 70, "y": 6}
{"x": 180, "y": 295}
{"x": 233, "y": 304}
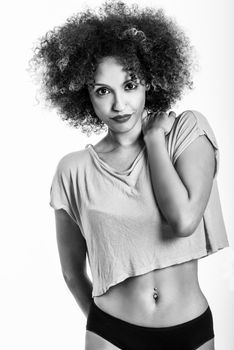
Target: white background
{"x": 37, "y": 309}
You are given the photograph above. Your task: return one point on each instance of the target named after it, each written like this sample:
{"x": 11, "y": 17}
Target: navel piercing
{"x": 156, "y": 294}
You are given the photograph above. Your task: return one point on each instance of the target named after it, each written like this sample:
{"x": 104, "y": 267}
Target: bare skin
{"x": 180, "y": 298}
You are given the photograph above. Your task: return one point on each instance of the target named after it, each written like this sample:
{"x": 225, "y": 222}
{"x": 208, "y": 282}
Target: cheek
{"x": 95, "y": 103}
{"x": 100, "y": 107}
{"x": 140, "y": 100}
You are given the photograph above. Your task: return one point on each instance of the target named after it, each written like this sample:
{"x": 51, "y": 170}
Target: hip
{"x": 104, "y": 331}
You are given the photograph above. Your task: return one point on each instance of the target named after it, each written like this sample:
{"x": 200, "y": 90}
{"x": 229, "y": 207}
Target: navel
{"x": 156, "y": 295}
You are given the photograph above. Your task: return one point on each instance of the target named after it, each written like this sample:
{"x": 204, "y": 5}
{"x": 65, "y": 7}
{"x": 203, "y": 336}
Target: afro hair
{"x": 148, "y": 44}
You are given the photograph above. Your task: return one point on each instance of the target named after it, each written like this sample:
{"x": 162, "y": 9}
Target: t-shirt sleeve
{"x": 187, "y": 128}
{"x": 62, "y": 194}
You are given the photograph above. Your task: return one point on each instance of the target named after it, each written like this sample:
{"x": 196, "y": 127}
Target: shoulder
{"x": 191, "y": 124}
{"x": 188, "y": 126}
{"x": 192, "y": 117}
{"x": 72, "y": 161}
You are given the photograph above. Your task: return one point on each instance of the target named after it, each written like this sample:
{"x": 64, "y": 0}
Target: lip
{"x": 122, "y": 117}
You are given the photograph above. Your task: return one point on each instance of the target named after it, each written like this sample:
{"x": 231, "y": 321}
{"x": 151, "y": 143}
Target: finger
{"x": 161, "y": 114}
{"x": 144, "y": 114}
{"x": 172, "y": 114}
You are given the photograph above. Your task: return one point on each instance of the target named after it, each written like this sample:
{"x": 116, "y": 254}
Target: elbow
{"x": 184, "y": 228}
{"x": 69, "y": 280}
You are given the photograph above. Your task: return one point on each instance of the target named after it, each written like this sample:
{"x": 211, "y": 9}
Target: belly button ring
{"x": 156, "y": 294}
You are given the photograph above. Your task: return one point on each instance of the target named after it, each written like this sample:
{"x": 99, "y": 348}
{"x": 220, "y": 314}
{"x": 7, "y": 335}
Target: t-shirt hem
{"x": 158, "y": 265}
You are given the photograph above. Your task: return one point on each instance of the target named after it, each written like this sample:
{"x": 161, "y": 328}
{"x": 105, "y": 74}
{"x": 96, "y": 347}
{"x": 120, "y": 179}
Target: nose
{"x": 118, "y": 103}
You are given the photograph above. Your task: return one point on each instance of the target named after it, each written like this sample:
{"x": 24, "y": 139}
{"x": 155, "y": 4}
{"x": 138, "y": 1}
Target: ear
{"x": 147, "y": 87}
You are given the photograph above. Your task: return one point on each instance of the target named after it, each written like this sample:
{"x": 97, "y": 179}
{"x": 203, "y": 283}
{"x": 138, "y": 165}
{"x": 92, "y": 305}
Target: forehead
{"x": 110, "y": 70}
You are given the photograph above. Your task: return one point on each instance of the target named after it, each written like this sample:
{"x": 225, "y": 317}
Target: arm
{"x": 182, "y": 191}
{"x": 72, "y": 253}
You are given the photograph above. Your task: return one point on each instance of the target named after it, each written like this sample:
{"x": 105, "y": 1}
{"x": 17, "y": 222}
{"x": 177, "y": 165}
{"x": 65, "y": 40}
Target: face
{"x": 115, "y": 94}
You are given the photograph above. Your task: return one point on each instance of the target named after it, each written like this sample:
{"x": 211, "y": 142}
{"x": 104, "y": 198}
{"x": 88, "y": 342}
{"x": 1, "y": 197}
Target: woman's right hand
{"x": 157, "y": 121}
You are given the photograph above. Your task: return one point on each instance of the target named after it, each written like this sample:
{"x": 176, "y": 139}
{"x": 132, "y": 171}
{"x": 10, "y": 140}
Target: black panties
{"x": 127, "y": 336}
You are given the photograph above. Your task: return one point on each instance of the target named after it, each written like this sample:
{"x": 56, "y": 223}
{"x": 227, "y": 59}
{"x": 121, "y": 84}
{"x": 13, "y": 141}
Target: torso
{"x": 179, "y": 295}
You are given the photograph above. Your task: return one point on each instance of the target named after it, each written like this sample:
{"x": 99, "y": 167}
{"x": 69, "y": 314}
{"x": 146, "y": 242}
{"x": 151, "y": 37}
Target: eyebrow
{"x": 100, "y": 84}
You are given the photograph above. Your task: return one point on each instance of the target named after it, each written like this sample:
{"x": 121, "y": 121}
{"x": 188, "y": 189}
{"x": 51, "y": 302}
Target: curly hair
{"x": 148, "y": 44}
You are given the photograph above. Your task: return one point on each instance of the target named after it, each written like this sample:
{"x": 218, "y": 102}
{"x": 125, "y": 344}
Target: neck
{"x": 125, "y": 140}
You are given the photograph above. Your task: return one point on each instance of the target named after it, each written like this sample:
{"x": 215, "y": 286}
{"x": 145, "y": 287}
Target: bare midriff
{"x": 178, "y": 297}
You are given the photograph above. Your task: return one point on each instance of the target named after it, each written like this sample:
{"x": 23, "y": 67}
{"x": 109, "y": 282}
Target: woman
{"x": 143, "y": 202}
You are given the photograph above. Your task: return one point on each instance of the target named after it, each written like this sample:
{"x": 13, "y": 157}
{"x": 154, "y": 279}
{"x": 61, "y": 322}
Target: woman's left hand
{"x": 159, "y": 121}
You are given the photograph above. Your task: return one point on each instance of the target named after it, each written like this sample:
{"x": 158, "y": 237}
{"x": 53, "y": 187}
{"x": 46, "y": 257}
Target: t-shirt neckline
{"x": 109, "y": 167}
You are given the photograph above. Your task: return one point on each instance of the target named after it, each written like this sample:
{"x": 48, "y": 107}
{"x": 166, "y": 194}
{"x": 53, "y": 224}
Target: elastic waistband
{"x": 206, "y": 314}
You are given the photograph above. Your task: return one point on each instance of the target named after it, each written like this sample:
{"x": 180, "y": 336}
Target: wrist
{"x": 155, "y": 134}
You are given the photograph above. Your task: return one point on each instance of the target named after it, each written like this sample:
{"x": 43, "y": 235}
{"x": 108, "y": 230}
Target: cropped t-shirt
{"x": 116, "y": 211}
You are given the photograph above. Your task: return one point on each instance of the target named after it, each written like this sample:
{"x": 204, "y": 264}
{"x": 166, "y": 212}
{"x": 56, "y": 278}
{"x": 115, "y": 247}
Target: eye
{"x": 102, "y": 91}
{"x": 131, "y": 86}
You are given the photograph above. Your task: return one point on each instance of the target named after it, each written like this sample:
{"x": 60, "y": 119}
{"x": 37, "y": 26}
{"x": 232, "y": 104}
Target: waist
{"x": 176, "y": 299}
